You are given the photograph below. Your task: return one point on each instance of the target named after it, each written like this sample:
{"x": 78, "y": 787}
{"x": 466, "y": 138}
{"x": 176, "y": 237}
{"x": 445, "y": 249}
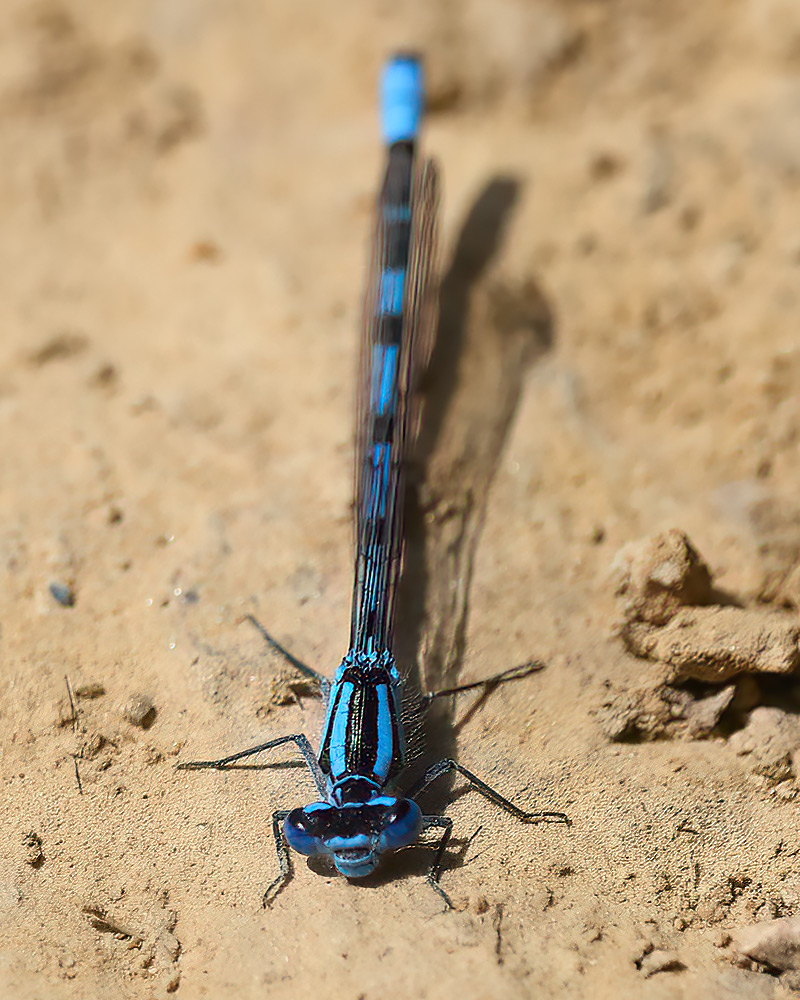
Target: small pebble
{"x": 721, "y": 938}
{"x": 775, "y": 943}
{"x": 91, "y": 745}
{"x": 791, "y": 980}
{"x": 139, "y": 710}
{"x": 33, "y": 845}
{"x": 660, "y": 961}
{"x": 63, "y": 593}
{"x": 92, "y": 689}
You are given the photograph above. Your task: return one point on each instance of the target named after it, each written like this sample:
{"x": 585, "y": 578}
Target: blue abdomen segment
{"x": 390, "y": 302}
{"x": 402, "y": 99}
{"x": 384, "y": 379}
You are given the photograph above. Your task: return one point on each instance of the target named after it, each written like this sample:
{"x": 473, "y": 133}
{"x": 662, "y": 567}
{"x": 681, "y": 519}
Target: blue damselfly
{"x": 363, "y": 759}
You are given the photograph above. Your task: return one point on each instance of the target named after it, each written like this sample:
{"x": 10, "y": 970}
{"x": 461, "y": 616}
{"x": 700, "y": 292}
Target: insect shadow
{"x": 491, "y": 330}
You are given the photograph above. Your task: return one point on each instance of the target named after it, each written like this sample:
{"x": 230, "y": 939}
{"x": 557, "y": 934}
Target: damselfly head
{"x": 355, "y": 834}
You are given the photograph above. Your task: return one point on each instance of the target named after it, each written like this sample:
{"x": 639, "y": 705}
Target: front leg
{"x": 284, "y": 859}
{"x": 445, "y": 824}
{"x": 299, "y": 739}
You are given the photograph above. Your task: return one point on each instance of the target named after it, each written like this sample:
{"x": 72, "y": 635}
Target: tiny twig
{"x": 497, "y": 923}
{"x": 73, "y": 709}
{"x": 100, "y": 919}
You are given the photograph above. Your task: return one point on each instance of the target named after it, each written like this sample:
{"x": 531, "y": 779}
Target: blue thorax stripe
{"x": 383, "y": 758}
{"x": 338, "y": 744}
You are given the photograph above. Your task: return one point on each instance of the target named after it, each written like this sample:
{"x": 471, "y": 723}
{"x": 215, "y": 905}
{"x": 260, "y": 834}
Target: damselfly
{"x": 361, "y": 812}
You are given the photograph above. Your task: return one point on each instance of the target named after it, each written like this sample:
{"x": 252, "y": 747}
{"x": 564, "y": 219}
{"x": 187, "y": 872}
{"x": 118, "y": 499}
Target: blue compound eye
{"x": 404, "y": 822}
{"x": 300, "y": 830}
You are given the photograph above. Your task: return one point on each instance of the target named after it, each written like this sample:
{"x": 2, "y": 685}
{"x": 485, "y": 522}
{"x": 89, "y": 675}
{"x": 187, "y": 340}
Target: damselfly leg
{"x": 488, "y": 683}
{"x": 300, "y": 740}
{"x": 447, "y": 765}
{"x": 284, "y": 859}
{"x": 292, "y": 660}
{"x": 445, "y": 823}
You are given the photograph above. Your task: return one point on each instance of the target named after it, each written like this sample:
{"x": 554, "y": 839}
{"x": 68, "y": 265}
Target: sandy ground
{"x": 185, "y": 189}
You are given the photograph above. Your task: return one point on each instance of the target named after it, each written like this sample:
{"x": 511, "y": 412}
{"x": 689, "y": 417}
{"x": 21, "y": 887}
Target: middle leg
{"x": 447, "y": 765}
{"x": 299, "y": 739}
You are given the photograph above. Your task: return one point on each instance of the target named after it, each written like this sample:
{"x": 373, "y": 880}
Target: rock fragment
{"x": 703, "y": 714}
{"x": 770, "y": 740}
{"x": 714, "y": 644}
{"x": 775, "y": 943}
{"x": 139, "y": 710}
{"x": 652, "y": 713}
{"x": 660, "y": 960}
{"x": 655, "y": 577}
{"x": 34, "y": 856}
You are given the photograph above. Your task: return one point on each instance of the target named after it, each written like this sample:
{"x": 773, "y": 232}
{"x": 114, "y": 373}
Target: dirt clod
{"x": 660, "y": 960}
{"x": 90, "y": 690}
{"x": 654, "y": 577}
{"x": 33, "y": 847}
{"x": 715, "y": 644}
{"x": 139, "y": 710}
{"x": 775, "y": 943}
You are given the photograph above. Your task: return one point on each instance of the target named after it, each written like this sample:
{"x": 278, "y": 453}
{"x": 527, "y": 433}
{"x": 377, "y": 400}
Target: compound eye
{"x": 403, "y": 826}
{"x": 299, "y": 831}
